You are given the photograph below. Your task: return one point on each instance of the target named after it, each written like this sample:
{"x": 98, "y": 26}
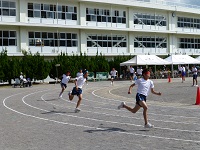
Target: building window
{"x": 53, "y": 39}
{"x": 104, "y": 15}
{"x": 189, "y": 43}
{"x": 8, "y": 38}
{"x": 52, "y": 11}
{"x": 94, "y": 40}
{"x": 150, "y": 42}
{"x": 7, "y": 8}
{"x": 148, "y": 19}
{"x": 184, "y": 22}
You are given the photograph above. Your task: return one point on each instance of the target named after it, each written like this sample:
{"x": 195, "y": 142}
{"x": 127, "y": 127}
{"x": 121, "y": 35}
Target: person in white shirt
{"x": 80, "y": 73}
{"x": 113, "y": 74}
{"x": 21, "y": 78}
{"x": 180, "y": 70}
{"x": 144, "y": 86}
{"x": 183, "y": 74}
{"x": 64, "y": 81}
{"x": 139, "y": 72}
{"x": 132, "y": 72}
{"x": 77, "y": 90}
{"x": 195, "y": 73}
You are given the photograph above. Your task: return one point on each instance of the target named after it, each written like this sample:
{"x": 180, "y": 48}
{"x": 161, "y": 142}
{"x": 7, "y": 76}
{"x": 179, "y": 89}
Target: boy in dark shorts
{"x": 77, "y": 90}
{"x": 64, "y": 81}
{"x": 144, "y": 86}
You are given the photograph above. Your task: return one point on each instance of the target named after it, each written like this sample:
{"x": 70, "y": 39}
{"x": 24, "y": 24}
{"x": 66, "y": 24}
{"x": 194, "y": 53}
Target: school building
{"x": 110, "y": 27}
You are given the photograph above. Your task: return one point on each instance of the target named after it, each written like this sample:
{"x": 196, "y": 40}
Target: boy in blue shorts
{"x": 77, "y": 90}
{"x": 64, "y": 81}
{"x": 144, "y": 86}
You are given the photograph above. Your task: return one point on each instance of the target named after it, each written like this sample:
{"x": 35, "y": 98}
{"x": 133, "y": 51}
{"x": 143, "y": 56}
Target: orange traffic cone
{"x": 169, "y": 79}
{"x": 198, "y": 97}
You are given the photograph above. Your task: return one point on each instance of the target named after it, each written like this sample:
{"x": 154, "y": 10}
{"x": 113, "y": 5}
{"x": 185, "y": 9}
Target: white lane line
{"x": 149, "y": 112}
{"x": 101, "y": 113}
{"x": 155, "y": 114}
{"x": 96, "y": 128}
{"x": 192, "y": 131}
{"x": 156, "y": 105}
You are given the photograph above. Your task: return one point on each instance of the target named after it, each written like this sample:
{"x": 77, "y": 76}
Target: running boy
{"x": 65, "y": 80}
{"x": 77, "y": 90}
{"x": 144, "y": 85}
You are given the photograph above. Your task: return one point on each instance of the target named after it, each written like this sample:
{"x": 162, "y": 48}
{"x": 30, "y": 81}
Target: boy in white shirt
{"x": 77, "y": 90}
{"x": 144, "y": 86}
{"x": 80, "y": 73}
{"x": 65, "y": 80}
{"x": 132, "y": 72}
{"x": 195, "y": 73}
{"x": 113, "y": 74}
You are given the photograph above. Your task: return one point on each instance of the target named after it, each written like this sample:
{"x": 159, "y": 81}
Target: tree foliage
{"x": 37, "y": 68}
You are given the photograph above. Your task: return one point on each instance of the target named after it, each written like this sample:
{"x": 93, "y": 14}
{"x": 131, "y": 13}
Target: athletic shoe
{"x": 121, "y": 105}
{"x": 196, "y": 85}
{"x": 77, "y": 110}
{"x": 60, "y": 96}
{"x": 148, "y": 125}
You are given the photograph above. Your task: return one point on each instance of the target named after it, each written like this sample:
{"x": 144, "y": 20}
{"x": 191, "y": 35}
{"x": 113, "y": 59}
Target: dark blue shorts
{"x": 113, "y": 77}
{"x": 76, "y": 91}
{"x": 131, "y": 74}
{"x": 140, "y": 97}
{"x": 194, "y": 76}
{"x": 63, "y": 85}
{"x": 183, "y": 73}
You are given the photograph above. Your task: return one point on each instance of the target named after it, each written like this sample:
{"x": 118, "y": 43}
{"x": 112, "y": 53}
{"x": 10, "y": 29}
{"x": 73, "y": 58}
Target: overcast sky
{"x": 192, "y": 2}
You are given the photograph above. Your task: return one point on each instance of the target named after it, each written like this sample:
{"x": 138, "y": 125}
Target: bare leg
{"x": 63, "y": 88}
{"x": 133, "y": 110}
{"x": 71, "y": 97}
{"x": 79, "y": 101}
{"x": 144, "y": 105}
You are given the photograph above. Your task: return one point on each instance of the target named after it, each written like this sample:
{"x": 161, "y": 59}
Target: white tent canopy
{"x": 181, "y": 59}
{"x": 145, "y": 60}
{"x": 198, "y": 58}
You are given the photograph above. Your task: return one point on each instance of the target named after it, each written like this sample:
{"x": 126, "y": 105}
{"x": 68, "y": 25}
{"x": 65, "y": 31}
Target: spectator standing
{"x": 195, "y": 73}
{"x": 139, "y": 71}
{"x": 132, "y": 73}
{"x": 113, "y": 74}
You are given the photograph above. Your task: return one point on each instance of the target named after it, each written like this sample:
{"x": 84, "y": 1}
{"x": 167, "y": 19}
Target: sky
{"x": 192, "y": 2}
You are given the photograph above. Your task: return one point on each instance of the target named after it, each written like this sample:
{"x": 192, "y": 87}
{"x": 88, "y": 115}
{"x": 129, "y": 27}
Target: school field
{"x": 35, "y": 119}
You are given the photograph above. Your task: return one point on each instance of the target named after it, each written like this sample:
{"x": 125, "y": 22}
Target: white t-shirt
{"x": 80, "y": 81}
{"x": 21, "y": 77}
{"x": 183, "y": 69}
{"x": 139, "y": 71}
{"x": 79, "y": 74}
{"x": 132, "y": 70}
{"x": 65, "y": 79}
{"x": 144, "y": 86}
{"x": 194, "y": 70}
{"x": 113, "y": 73}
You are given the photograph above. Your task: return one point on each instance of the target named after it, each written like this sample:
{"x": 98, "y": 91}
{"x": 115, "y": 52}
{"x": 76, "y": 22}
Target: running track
{"x": 35, "y": 119}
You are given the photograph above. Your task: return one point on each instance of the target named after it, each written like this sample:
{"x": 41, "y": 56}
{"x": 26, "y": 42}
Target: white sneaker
{"x": 77, "y": 110}
{"x": 121, "y": 105}
{"x": 148, "y": 125}
{"x": 196, "y": 85}
{"x": 60, "y": 96}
